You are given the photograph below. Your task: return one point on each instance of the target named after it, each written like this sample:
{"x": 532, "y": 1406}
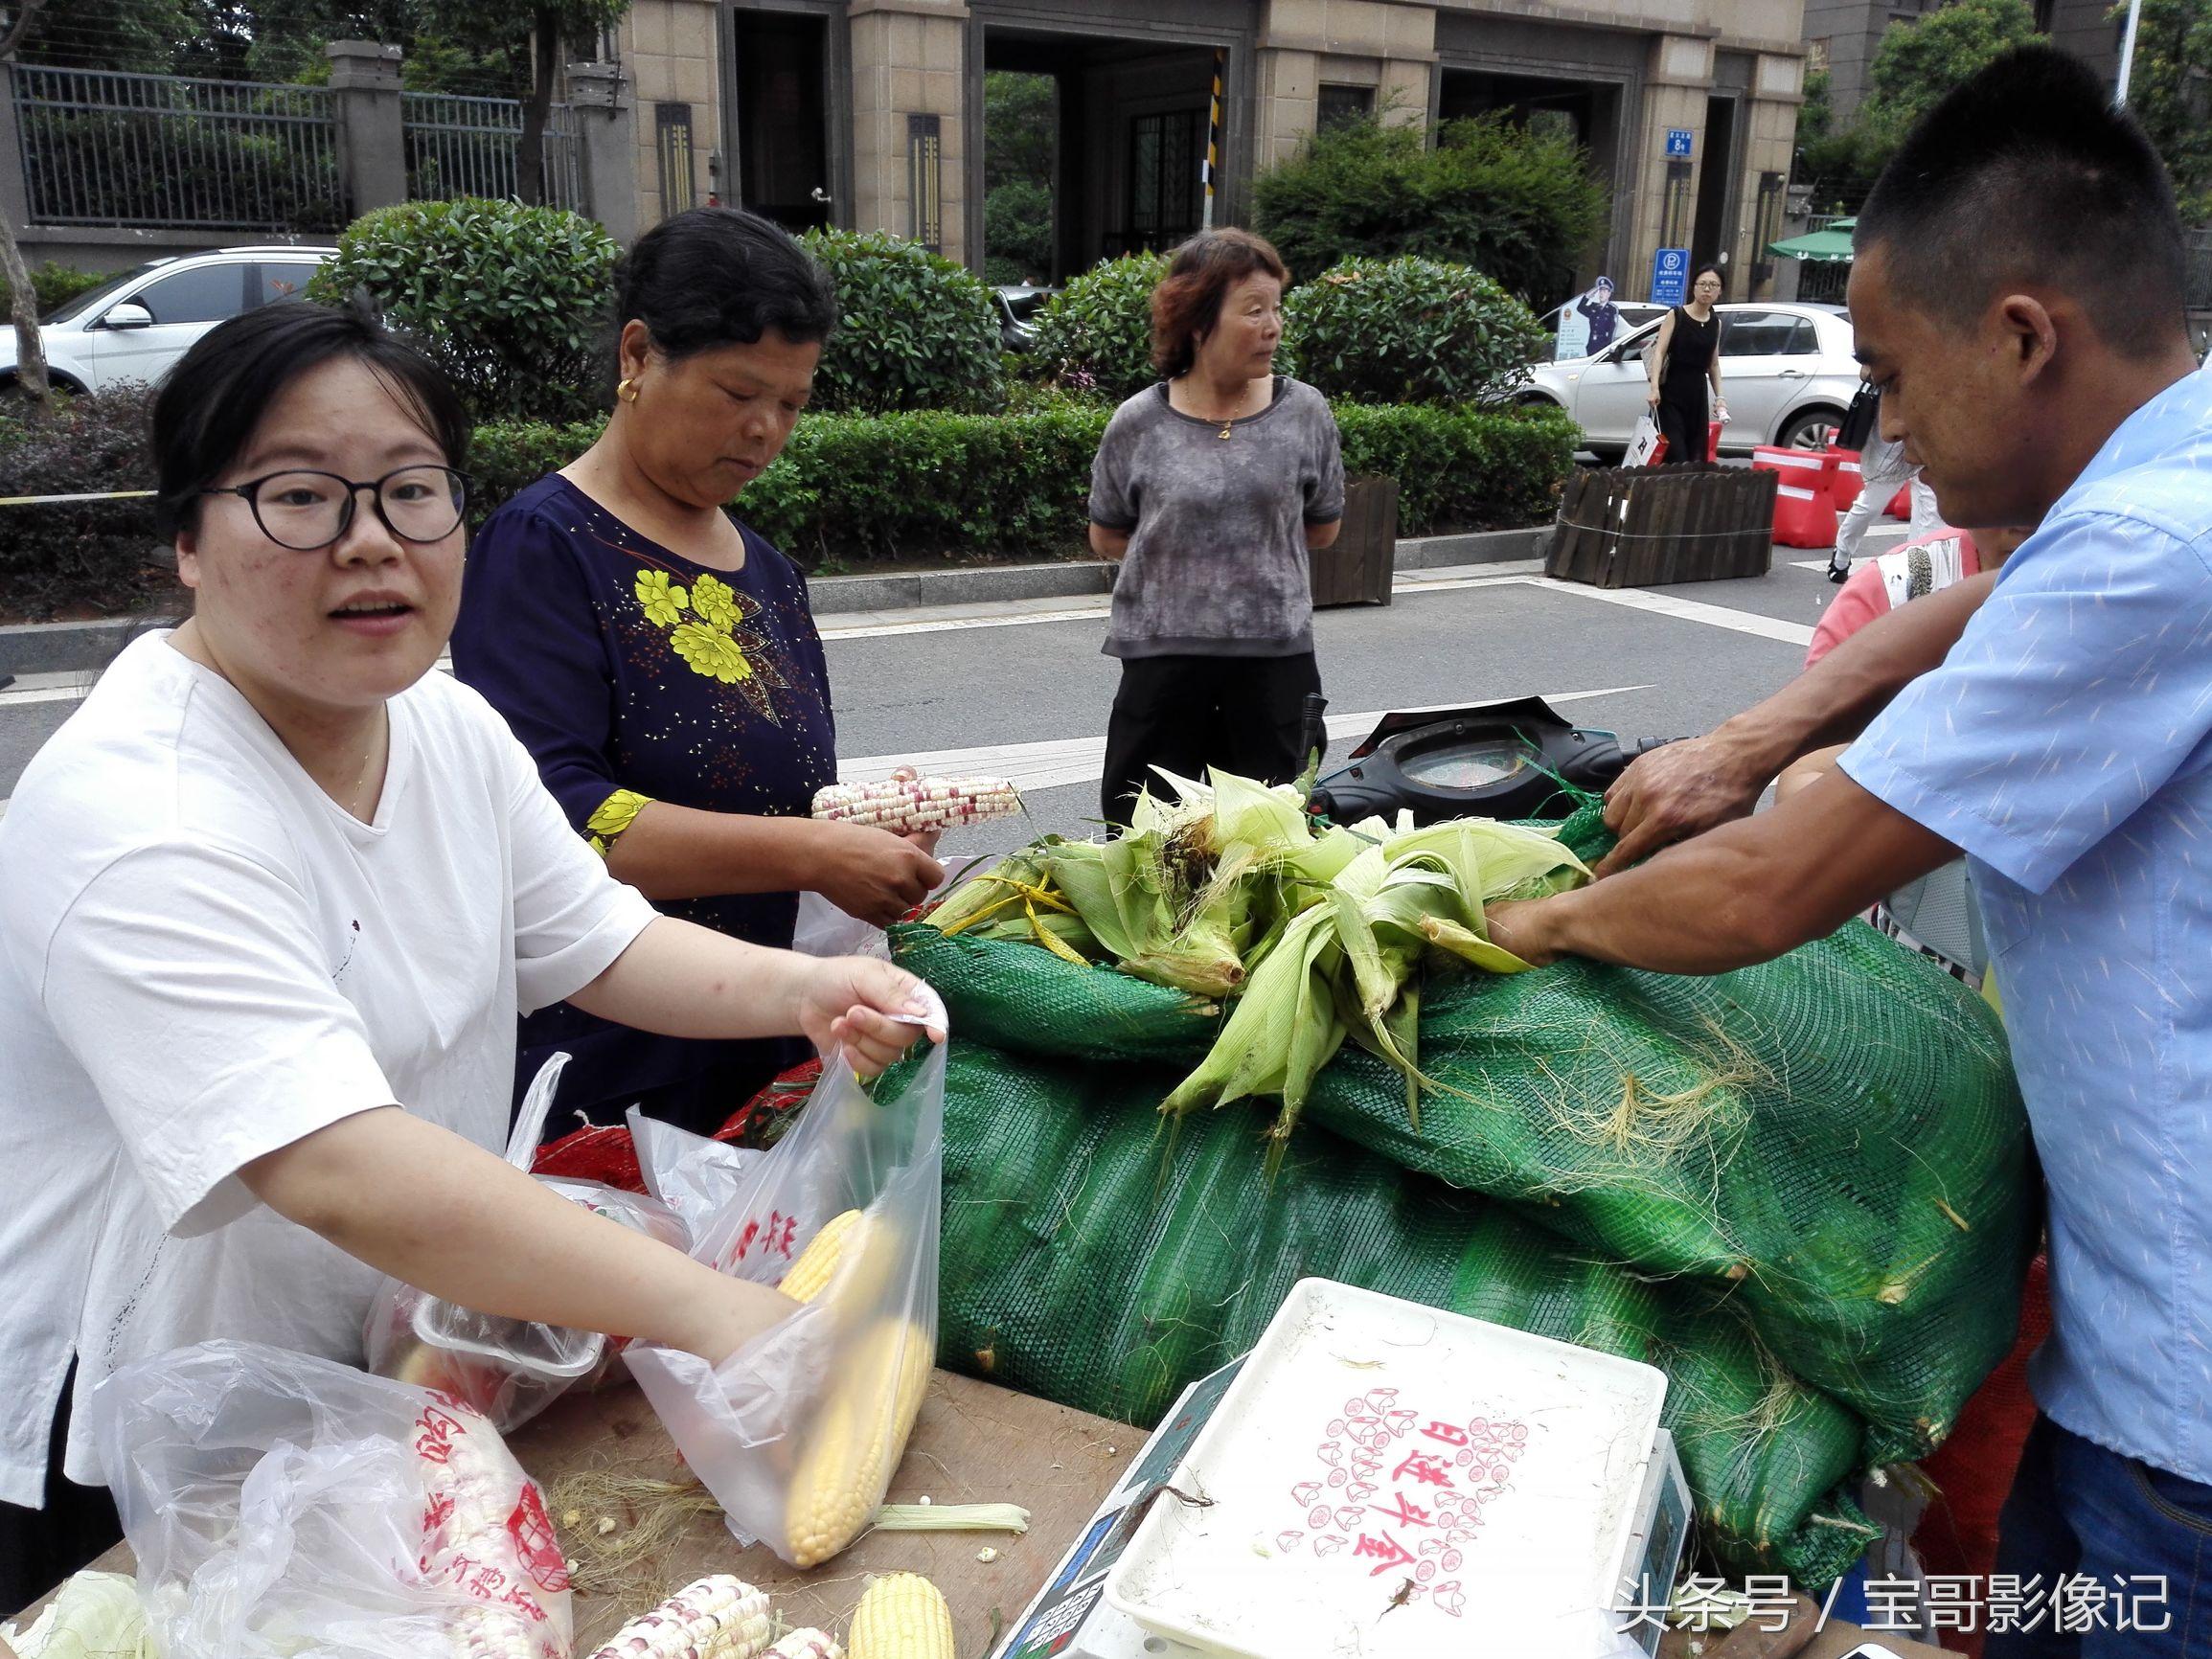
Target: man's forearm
{"x": 1837, "y": 697}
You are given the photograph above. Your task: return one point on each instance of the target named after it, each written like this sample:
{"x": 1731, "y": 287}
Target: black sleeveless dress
{"x": 1683, "y": 386}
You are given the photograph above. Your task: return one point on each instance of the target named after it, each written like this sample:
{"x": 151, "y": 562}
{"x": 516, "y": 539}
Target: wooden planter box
{"x": 1651, "y": 526}
{"x": 1357, "y": 567}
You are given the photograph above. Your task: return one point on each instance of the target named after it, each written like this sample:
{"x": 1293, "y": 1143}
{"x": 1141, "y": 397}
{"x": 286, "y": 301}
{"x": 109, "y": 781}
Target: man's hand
{"x": 1681, "y": 790}
{"x": 868, "y": 1009}
{"x": 1519, "y": 925}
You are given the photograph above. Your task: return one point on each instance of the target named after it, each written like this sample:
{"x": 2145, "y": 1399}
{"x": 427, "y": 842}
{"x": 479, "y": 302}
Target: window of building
{"x": 1341, "y": 104}
{"x": 1166, "y": 155}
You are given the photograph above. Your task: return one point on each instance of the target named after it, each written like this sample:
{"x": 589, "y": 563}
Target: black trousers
{"x": 1245, "y": 715}
{"x": 1682, "y": 423}
{"x": 39, "y": 1547}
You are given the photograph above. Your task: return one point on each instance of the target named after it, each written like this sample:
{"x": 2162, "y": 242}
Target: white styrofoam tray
{"x": 1386, "y": 1479}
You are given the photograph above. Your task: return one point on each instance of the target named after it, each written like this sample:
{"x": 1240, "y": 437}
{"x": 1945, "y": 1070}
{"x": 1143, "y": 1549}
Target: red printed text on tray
{"x": 1403, "y": 1492}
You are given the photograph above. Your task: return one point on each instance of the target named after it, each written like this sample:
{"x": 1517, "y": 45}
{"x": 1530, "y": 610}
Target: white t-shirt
{"x": 203, "y": 958}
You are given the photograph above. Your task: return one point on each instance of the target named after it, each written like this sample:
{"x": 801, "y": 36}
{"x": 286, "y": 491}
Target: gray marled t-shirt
{"x": 1217, "y": 563}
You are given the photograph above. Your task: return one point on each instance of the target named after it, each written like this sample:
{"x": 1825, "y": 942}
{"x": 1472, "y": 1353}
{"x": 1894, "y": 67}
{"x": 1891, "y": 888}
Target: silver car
{"x": 1787, "y": 372}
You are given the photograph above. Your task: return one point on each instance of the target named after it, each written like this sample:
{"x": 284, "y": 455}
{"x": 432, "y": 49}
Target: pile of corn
{"x": 901, "y": 1615}
{"x": 1229, "y": 892}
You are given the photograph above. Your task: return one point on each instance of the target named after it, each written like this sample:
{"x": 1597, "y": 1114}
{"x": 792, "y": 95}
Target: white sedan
{"x": 1787, "y": 372}
{"x": 136, "y": 325}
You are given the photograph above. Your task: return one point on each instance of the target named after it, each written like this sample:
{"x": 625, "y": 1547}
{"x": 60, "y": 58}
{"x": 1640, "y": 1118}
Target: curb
{"x": 82, "y": 647}
{"x": 985, "y": 585}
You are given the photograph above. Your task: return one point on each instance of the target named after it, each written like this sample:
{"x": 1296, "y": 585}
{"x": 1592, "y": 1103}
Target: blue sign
{"x": 1669, "y": 276}
{"x": 1678, "y": 144}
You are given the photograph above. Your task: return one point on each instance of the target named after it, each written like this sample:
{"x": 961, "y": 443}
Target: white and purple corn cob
{"x": 906, "y": 804}
{"x": 717, "y": 1616}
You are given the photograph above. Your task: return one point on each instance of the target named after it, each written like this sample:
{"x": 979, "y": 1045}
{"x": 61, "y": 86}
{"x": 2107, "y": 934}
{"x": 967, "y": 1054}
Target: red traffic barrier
{"x": 1803, "y": 517}
{"x": 1901, "y": 503}
{"x": 1712, "y": 445}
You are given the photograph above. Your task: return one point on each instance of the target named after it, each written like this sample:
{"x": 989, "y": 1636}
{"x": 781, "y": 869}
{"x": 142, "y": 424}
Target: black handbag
{"x": 1859, "y": 421}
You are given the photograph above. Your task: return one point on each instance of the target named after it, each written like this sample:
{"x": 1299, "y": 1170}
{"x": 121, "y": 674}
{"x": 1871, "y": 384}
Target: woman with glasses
{"x": 271, "y": 900}
{"x": 659, "y": 660}
{"x": 1684, "y": 361}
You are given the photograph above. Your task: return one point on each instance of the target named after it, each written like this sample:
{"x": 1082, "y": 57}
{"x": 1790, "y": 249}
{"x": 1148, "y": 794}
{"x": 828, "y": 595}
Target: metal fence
{"x": 102, "y": 147}
{"x": 467, "y": 147}
{"x": 2198, "y": 245}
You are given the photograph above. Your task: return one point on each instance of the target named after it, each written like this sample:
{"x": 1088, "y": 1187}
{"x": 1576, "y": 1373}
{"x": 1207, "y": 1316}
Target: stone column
{"x": 909, "y": 60}
{"x": 1675, "y": 88}
{"x": 605, "y": 121}
{"x": 372, "y": 140}
{"x": 1770, "y": 141}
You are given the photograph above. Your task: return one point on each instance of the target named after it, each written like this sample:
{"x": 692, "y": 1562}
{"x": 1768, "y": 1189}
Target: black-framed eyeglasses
{"x": 307, "y": 512}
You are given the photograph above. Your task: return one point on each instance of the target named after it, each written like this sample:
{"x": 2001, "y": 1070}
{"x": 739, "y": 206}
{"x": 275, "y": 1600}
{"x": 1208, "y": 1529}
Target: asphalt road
{"x": 1025, "y": 690}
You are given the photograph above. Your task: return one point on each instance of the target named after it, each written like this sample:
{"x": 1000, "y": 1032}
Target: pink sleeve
{"x": 1862, "y": 599}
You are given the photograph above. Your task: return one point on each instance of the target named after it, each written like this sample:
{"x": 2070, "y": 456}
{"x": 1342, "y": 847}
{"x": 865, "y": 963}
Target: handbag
{"x": 1859, "y": 421}
{"x": 1645, "y": 445}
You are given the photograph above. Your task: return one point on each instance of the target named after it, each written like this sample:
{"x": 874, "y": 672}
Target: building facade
{"x": 1842, "y": 36}
{"x": 869, "y": 113}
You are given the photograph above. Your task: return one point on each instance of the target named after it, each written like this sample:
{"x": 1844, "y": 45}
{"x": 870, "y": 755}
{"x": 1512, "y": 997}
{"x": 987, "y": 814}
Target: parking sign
{"x": 1669, "y": 276}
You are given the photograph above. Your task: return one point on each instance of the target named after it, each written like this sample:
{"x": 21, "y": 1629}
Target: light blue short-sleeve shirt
{"x": 2066, "y": 744}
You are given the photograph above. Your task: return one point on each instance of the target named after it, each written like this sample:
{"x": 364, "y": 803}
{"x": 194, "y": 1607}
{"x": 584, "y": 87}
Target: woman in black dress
{"x": 1686, "y": 357}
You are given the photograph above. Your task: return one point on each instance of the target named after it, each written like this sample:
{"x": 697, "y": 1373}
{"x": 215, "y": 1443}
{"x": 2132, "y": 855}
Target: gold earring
{"x": 627, "y": 391}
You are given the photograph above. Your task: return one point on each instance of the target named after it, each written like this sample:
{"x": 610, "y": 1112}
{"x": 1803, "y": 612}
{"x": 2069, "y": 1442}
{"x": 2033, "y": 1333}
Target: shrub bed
{"x": 849, "y": 488}
{"x": 983, "y": 485}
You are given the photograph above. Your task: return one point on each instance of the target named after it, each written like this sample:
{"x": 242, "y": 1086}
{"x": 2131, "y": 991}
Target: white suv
{"x": 134, "y": 326}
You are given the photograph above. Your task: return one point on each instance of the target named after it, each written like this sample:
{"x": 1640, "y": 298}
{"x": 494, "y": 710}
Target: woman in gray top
{"x": 1210, "y": 488}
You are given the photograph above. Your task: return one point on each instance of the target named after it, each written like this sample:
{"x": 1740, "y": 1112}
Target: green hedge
{"x": 848, "y": 486}
{"x": 853, "y": 486}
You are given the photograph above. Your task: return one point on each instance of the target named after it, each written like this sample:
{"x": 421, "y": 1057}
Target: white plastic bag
{"x": 808, "y": 1420}
{"x": 825, "y": 930}
{"x": 510, "y": 1370}
{"x": 283, "y": 1507}
{"x": 1643, "y": 443}
{"x": 694, "y": 1175}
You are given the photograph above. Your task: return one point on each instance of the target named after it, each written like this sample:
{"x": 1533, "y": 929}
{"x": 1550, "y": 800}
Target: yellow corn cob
{"x": 903, "y": 1616}
{"x": 817, "y": 1264}
{"x": 716, "y": 1617}
{"x": 911, "y": 805}
{"x": 854, "y": 1441}
{"x": 807, "y": 1643}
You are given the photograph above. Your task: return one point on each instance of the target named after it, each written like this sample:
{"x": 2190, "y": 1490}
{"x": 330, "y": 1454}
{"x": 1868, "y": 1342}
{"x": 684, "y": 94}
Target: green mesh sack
{"x": 1833, "y": 1139}
{"x": 1097, "y": 1257}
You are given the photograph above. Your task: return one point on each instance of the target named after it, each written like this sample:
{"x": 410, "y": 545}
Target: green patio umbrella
{"x": 1829, "y": 247}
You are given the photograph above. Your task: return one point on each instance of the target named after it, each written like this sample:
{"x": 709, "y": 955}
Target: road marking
{"x": 1741, "y": 622}
{"x": 1060, "y": 761}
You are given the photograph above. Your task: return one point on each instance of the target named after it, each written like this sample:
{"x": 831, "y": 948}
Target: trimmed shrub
{"x": 915, "y": 331}
{"x": 1518, "y": 204}
{"x": 511, "y": 301}
{"x": 55, "y": 284}
{"x": 96, "y": 555}
{"x": 980, "y": 486}
{"x": 1460, "y": 469}
{"x": 1096, "y": 335}
{"x": 1410, "y": 330}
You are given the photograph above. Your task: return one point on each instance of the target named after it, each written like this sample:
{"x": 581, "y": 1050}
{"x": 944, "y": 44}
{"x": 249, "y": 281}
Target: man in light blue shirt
{"x": 2017, "y": 297}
